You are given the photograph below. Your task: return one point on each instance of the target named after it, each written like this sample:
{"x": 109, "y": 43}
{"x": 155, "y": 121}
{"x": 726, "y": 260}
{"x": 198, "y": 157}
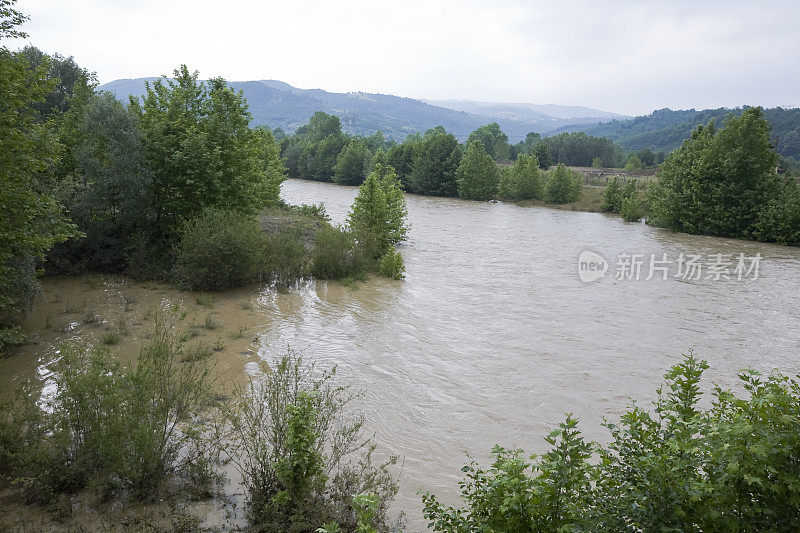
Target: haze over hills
{"x": 278, "y": 104}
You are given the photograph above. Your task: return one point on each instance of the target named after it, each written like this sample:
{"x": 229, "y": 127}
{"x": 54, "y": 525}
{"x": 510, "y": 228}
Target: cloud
{"x": 622, "y": 56}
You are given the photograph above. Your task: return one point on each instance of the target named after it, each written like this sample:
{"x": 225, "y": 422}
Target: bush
{"x": 391, "y": 265}
{"x": 287, "y": 256}
{"x": 563, "y": 187}
{"x": 219, "y": 250}
{"x": 111, "y": 427}
{"x": 302, "y": 457}
{"x": 631, "y": 208}
{"x": 732, "y": 467}
{"x": 522, "y": 181}
{"x": 335, "y": 255}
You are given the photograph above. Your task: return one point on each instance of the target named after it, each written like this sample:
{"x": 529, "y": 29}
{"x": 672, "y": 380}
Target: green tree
{"x": 200, "y": 149}
{"x": 543, "y": 155}
{"x": 435, "y": 162}
{"x": 719, "y": 182}
{"x": 495, "y": 142}
{"x": 477, "y": 175}
{"x": 352, "y": 164}
{"x": 378, "y": 215}
{"x": 633, "y": 163}
{"x": 31, "y": 222}
{"x": 612, "y": 196}
{"x": 562, "y": 186}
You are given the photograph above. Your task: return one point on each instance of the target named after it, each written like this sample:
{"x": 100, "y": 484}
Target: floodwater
{"x": 492, "y": 337}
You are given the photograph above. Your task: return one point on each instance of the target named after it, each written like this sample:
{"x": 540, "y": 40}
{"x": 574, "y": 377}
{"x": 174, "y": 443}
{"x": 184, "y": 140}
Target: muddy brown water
{"x": 491, "y": 338}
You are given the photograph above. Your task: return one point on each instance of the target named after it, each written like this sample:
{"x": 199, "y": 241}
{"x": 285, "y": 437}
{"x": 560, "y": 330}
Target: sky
{"x": 629, "y": 57}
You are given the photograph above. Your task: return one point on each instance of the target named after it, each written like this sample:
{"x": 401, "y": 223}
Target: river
{"x": 493, "y": 336}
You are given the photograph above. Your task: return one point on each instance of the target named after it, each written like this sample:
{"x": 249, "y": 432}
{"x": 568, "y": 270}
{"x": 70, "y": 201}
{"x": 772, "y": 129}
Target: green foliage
{"x": 495, "y": 142}
{"x": 378, "y": 215}
{"x": 31, "y": 221}
{"x": 220, "y": 249}
{"x": 562, "y": 186}
{"x": 731, "y": 467}
{"x": 631, "y": 208}
{"x": 303, "y": 457}
{"x": 597, "y": 162}
{"x": 352, "y": 164}
{"x": 435, "y": 162}
{"x": 336, "y": 255}
{"x": 612, "y": 196}
{"x": 543, "y": 155}
{"x": 519, "y": 494}
{"x": 201, "y": 151}
{"x": 578, "y": 149}
{"x": 522, "y": 181}
{"x": 633, "y": 163}
{"x": 110, "y": 427}
{"x": 719, "y": 182}
{"x": 391, "y": 265}
{"x": 477, "y": 175}
{"x": 780, "y": 219}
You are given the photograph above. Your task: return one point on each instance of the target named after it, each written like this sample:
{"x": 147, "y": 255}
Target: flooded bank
{"x": 491, "y": 338}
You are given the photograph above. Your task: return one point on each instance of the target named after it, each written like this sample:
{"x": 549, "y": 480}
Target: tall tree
{"x": 436, "y": 160}
{"x": 719, "y": 182}
{"x": 30, "y": 220}
{"x": 477, "y": 175}
{"x": 352, "y": 163}
{"x": 495, "y": 142}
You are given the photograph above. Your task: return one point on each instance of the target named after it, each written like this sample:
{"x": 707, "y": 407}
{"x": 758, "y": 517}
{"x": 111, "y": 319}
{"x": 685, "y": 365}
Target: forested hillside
{"x": 666, "y": 129}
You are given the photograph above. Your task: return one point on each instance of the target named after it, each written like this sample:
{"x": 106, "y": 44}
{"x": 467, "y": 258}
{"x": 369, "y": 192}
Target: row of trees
{"x": 428, "y": 163}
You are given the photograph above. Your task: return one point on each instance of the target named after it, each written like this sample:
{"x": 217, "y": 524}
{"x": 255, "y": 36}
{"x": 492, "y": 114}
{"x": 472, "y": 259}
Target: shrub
{"x": 563, "y": 187}
{"x": 612, "y": 196}
{"x": 597, "y": 162}
{"x": 112, "y": 427}
{"x": 522, "y": 181}
{"x": 631, "y": 208}
{"x": 313, "y": 210}
{"x": 335, "y": 255}
{"x": 302, "y": 457}
{"x": 219, "y": 250}
{"x": 287, "y": 256}
{"x": 391, "y": 265}
{"x": 675, "y": 467}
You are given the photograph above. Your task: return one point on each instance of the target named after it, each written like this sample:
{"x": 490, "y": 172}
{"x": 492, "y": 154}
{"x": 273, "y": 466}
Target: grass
{"x": 111, "y": 338}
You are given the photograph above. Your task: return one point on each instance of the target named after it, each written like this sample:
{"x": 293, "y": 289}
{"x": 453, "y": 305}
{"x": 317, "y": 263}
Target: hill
{"x": 666, "y": 129}
{"x": 279, "y": 104}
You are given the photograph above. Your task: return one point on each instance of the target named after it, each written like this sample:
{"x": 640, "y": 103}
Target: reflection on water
{"x": 492, "y": 337}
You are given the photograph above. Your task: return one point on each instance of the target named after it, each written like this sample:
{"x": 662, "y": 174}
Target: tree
{"x": 543, "y": 155}
{"x": 495, "y": 142}
{"x": 562, "y": 187}
{"x": 352, "y": 163}
{"x": 719, "y": 182}
{"x": 435, "y": 162}
{"x": 633, "y": 163}
{"x": 523, "y": 181}
{"x": 612, "y": 196}
{"x": 200, "y": 149}
{"x": 31, "y": 222}
{"x": 378, "y": 215}
{"x": 477, "y": 175}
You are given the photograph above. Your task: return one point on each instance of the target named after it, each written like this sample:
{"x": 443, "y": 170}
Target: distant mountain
{"x": 279, "y": 104}
{"x": 666, "y": 129}
{"x": 526, "y": 112}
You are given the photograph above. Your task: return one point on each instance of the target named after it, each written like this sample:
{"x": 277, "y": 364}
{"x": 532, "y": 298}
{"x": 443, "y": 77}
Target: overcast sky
{"x": 625, "y": 56}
